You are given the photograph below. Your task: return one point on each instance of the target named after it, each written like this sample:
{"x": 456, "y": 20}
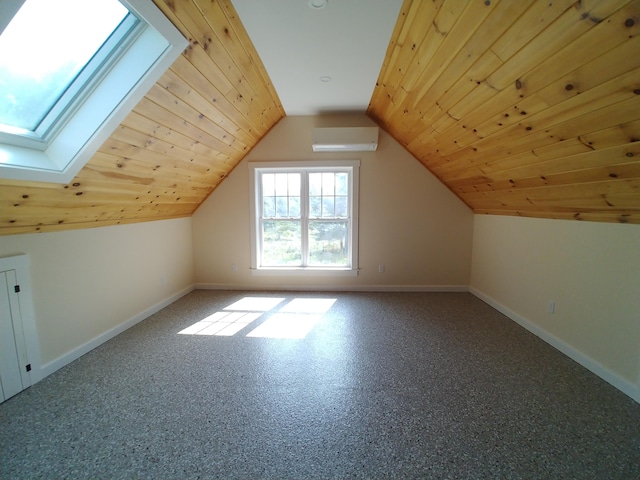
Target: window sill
{"x": 305, "y": 272}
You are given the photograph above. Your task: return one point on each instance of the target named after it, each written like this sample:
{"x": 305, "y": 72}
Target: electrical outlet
{"x": 381, "y": 268}
{"x": 551, "y": 307}
{"x": 163, "y": 279}
{"x": 234, "y": 267}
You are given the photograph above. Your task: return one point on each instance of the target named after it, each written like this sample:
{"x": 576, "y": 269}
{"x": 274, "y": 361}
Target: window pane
{"x": 282, "y": 184}
{"x": 328, "y": 244}
{"x": 327, "y": 207}
{"x": 269, "y": 207}
{"x": 294, "y": 184}
{"x": 315, "y": 207}
{"x": 268, "y": 184}
{"x": 282, "y": 207}
{"x": 341, "y": 207}
{"x": 294, "y": 207}
{"x": 315, "y": 184}
{"x": 44, "y": 48}
{"x": 281, "y": 243}
{"x": 342, "y": 184}
{"x": 328, "y": 183}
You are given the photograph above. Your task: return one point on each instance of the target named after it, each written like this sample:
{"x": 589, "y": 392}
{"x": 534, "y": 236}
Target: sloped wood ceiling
{"x": 520, "y": 107}
{"x": 192, "y": 128}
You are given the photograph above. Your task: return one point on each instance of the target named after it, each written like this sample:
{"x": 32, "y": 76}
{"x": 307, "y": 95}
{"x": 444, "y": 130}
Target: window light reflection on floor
{"x": 294, "y": 320}
{"x": 309, "y": 305}
{"x": 286, "y": 325}
{"x": 222, "y": 323}
{"x": 255, "y": 304}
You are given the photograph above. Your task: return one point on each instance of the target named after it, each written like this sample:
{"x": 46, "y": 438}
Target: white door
{"x": 12, "y": 345}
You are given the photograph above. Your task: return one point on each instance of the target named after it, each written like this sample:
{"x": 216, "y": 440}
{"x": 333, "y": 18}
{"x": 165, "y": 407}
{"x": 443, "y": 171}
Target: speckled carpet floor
{"x": 380, "y": 385}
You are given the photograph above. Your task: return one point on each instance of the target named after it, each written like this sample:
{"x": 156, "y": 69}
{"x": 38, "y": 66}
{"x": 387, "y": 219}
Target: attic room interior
{"x": 504, "y": 176}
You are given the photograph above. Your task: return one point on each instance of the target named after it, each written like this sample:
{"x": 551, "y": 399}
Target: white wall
{"x": 590, "y": 270}
{"x": 408, "y": 220}
{"x": 89, "y": 284}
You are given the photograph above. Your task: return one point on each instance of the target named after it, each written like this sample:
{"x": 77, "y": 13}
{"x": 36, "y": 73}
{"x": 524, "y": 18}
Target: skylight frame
{"x": 77, "y": 90}
{"x": 155, "y": 43}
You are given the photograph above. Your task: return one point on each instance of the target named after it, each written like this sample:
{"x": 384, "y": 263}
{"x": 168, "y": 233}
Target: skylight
{"x": 44, "y": 49}
{"x": 70, "y": 71}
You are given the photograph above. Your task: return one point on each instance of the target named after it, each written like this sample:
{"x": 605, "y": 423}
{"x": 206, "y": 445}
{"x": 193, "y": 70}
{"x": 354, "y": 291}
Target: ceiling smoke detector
{"x": 317, "y": 4}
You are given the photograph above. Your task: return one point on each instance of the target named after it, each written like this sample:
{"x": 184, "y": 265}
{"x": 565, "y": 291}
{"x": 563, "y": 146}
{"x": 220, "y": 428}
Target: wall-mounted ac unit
{"x": 345, "y": 139}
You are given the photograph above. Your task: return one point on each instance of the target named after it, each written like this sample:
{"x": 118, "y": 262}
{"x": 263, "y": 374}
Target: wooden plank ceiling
{"x": 525, "y": 108}
{"x": 520, "y": 107}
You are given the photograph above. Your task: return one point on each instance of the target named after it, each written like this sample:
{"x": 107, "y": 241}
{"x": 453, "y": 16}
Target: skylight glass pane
{"x": 44, "y": 48}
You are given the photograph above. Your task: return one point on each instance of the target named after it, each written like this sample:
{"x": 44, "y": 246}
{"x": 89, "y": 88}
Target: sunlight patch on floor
{"x": 309, "y": 305}
{"x": 255, "y": 304}
{"x": 222, "y": 323}
{"x": 294, "y": 320}
{"x": 285, "y": 325}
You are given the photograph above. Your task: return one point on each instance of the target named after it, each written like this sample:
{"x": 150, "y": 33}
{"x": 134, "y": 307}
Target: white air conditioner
{"x": 345, "y": 139}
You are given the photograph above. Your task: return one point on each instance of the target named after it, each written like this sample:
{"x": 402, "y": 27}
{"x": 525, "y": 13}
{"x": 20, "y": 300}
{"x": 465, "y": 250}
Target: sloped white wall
{"x": 409, "y": 221}
{"x": 590, "y": 270}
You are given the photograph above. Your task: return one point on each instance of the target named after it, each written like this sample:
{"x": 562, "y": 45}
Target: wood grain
{"x": 181, "y": 140}
{"x": 523, "y": 108}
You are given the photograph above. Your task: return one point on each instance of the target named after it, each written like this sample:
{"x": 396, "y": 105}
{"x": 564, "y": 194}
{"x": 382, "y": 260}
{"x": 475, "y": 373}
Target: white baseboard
{"x": 336, "y": 288}
{"x": 77, "y": 352}
{"x": 587, "y": 362}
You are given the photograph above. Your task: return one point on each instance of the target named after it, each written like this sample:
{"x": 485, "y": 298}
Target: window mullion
{"x": 260, "y": 215}
{"x": 350, "y": 200}
{"x": 304, "y": 216}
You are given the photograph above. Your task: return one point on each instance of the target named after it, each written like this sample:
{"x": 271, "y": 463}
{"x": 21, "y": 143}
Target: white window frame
{"x": 147, "y": 57}
{"x": 257, "y": 168}
{"x": 77, "y": 90}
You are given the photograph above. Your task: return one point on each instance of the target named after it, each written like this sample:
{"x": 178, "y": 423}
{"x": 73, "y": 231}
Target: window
{"x": 40, "y": 80}
{"x": 304, "y": 217}
{"x": 61, "y": 97}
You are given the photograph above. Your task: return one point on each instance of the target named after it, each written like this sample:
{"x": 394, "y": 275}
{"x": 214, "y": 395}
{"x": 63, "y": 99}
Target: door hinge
{"x": 28, "y": 367}
{"x": 16, "y": 289}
